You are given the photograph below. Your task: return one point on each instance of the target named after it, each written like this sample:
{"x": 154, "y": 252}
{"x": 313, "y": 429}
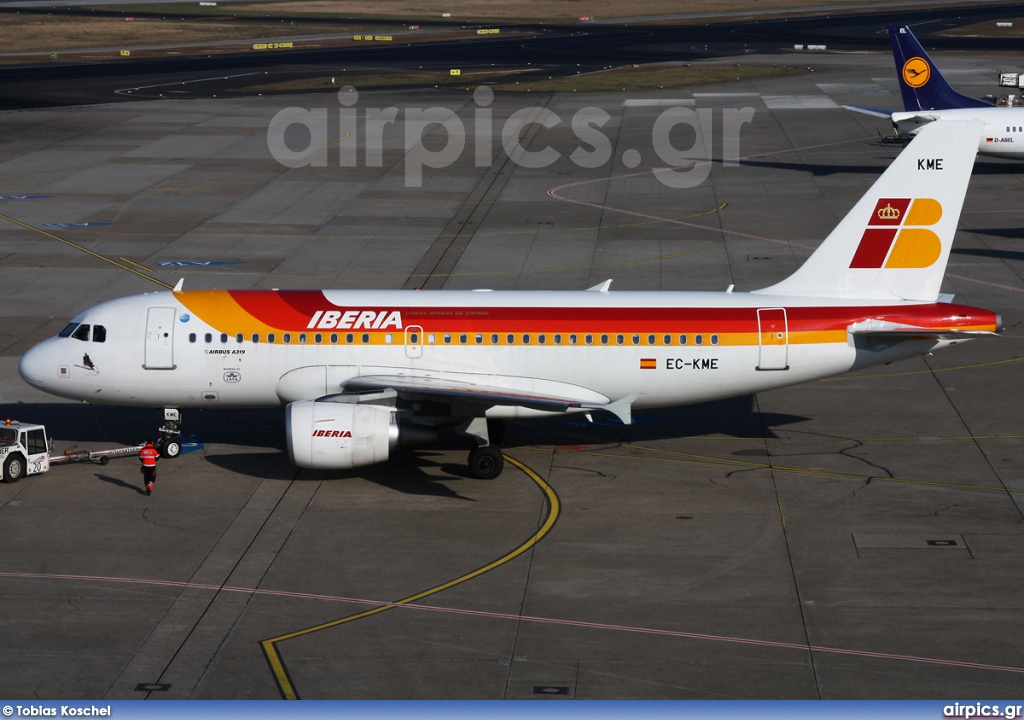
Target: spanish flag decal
{"x": 648, "y": 364}
{"x": 895, "y": 237}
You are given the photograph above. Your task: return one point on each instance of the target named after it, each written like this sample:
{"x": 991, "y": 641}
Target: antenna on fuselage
{"x": 180, "y": 285}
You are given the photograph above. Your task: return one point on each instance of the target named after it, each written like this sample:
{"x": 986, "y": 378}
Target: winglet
{"x": 603, "y": 287}
{"x": 621, "y": 408}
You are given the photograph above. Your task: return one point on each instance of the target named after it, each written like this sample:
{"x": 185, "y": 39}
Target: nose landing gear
{"x": 168, "y": 443}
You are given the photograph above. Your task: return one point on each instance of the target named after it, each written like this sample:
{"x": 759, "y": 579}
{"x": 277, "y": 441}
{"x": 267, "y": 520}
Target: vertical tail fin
{"x": 895, "y": 242}
{"x": 921, "y": 83}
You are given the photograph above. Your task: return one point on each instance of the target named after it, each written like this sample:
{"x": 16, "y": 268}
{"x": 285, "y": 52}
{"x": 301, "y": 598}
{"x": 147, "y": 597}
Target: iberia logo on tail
{"x": 898, "y": 237}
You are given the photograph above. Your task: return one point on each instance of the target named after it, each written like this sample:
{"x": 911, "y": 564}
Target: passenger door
{"x": 159, "y": 339}
{"x": 773, "y": 338}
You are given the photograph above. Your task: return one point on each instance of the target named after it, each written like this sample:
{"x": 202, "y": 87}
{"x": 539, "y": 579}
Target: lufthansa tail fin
{"x": 895, "y": 242}
{"x": 921, "y": 83}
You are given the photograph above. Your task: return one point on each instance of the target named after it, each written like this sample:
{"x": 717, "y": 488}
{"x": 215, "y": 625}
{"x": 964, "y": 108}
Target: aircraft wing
{"x": 877, "y": 112}
{"x": 448, "y": 389}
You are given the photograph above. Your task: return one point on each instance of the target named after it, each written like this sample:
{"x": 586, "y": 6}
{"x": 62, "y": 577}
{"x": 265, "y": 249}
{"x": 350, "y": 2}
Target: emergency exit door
{"x": 159, "y": 339}
{"x": 773, "y": 337}
{"x": 414, "y": 341}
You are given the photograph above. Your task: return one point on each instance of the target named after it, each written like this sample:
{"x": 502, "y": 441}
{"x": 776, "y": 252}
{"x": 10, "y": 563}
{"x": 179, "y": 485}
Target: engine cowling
{"x": 339, "y": 436}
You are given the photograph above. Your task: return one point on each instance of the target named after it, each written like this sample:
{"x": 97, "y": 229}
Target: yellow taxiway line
{"x": 270, "y": 650}
{"x": 87, "y": 251}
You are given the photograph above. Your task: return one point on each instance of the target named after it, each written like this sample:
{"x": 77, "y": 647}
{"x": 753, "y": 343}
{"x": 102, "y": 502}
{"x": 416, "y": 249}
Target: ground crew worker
{"x": 148, "y": 455}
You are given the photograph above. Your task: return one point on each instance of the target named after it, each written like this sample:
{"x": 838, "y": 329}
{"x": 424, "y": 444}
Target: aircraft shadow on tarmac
{"x": 981, "y": 167}
{"x": 995, "y": 253}
{"x": 999, "y": 254}
{"x": 111, "y": 426}
{"x": 814, "y": 169}
{"x": 416, "y": 471}
{"x": 408, "y": 471}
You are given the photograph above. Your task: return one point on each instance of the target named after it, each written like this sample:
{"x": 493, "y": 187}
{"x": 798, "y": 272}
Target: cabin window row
{"x": 560, "y": 339}
{"x": 474, "y": 339}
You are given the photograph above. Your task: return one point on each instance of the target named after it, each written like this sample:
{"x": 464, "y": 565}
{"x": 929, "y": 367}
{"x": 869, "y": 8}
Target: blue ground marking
{"x": 23, "y": 197}
{"x": 190, "y": 442}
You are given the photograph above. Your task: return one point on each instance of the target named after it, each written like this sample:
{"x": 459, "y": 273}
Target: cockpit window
{"x": 8, "y": 435}
{"x": 99, "y": 333}
{"x": 68, "y": 329}
{"x": 82, "y": 333}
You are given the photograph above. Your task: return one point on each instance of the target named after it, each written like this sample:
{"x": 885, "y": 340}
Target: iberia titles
{"x": 355, "y": 320}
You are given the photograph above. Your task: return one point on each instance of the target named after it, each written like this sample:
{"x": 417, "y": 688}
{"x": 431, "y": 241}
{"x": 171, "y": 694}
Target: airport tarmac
{"x": 858, "y": 537}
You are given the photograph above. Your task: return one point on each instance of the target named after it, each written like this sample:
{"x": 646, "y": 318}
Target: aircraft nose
{"x": 34, "y": 367}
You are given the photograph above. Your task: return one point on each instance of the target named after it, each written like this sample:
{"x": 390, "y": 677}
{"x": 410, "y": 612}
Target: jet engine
{"x": 329, "y": 435}
{"x": 339, "y": 436}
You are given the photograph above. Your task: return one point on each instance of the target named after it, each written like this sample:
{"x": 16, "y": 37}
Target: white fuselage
{"x": 188, "y": 350}
{"x": 1003, "y": 135}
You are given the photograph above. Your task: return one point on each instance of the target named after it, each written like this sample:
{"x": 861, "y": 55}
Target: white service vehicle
{"x": 24, "y": 450}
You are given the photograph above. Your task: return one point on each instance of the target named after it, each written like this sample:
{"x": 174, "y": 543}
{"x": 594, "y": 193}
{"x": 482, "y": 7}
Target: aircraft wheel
{"x": 170, "y": 448}
{"x": 14, "y": 468}
{"x": 486, "y": 462}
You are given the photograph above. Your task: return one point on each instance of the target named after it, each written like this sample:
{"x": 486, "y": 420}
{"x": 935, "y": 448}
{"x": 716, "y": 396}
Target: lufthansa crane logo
{"x": 916, "y": 72}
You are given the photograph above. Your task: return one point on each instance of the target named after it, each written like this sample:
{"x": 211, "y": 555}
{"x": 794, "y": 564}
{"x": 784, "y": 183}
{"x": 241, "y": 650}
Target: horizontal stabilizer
{"x": 880, "y": 328}
{"x": 877, "y": 112}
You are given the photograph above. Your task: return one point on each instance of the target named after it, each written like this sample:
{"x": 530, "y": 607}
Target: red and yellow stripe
{"x": 272, "y": 311}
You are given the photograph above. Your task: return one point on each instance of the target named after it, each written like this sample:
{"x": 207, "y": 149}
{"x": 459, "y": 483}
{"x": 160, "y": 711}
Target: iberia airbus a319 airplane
{"x": 361, "y": 373}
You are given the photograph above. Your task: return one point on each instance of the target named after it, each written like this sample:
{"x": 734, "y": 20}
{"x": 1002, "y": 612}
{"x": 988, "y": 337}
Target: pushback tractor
{"x": 25, "y": 449}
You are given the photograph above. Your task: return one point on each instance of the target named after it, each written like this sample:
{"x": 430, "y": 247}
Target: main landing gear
{"x": 169, "y": 443}
{"x": 485, "y": 460}
{"x": 895, "y": 138}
